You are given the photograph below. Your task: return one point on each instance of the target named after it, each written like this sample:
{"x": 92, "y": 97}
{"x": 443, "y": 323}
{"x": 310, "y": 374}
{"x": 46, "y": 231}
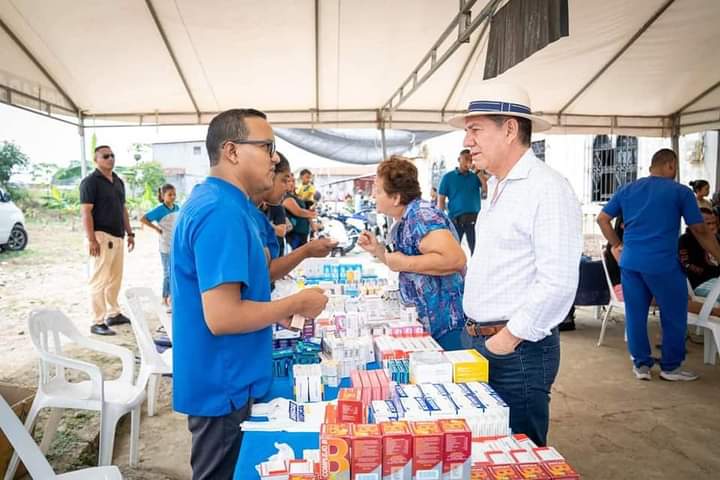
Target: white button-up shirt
{"x": 527, "y": 252}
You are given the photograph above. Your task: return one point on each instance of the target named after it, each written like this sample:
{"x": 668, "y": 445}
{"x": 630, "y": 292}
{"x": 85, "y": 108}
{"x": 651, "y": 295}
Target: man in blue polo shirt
{"x": 462, "y": 187}
{"x": 222, "y": 313}
{"x": 649, "y": 263}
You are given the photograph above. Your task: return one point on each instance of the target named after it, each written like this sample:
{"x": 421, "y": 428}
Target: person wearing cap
{"x": 522, "y": 282}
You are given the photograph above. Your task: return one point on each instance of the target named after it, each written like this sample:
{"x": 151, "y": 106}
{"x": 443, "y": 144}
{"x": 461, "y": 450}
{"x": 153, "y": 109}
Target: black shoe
{"x": 118, "y": 319}
{"x": 101, "y": 329}
{"x": 567, "y": 326}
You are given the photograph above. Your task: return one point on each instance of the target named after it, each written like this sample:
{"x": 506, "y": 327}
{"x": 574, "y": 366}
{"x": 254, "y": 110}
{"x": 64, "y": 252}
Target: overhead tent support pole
{"x": 166, "y": 42}
{"x": 39, "y": 66}
{"x": 464, "y": 68}
{"x": 692, "y": 102}
{"x": 83, "y": 153}
{"x": 430, "y": 61}
{"x": 624, "y": 49}
{"x": 317, "y": 55}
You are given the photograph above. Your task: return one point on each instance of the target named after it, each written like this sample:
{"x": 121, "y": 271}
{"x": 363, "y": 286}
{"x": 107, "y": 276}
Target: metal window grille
{"x": 612, "y": 166}
{"x": 538, "y": 148}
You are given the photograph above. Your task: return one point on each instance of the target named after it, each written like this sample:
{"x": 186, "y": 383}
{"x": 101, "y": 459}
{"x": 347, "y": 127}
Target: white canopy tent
{"x": 641, "y": 67}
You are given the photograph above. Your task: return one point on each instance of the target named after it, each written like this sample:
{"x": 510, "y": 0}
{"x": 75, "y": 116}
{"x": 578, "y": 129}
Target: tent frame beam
{"x": 700, "y": 96}
{"x": 317, "y": 55}
{"x": 46, "y": 107}
{"x": 430, "y": 61}
{"x": 619, "y": 54}
{"x": 171, "y": 52}
{"x": 463, "y": 71}
{"x": 39, "y": 66}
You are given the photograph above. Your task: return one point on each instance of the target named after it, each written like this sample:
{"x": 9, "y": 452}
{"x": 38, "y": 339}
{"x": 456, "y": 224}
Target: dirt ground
{"x": 608, "y": 425}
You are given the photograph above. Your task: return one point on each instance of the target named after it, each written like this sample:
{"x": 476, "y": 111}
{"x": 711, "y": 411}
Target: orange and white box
{"x": 397, "y": 442}
{"x": 503, "y": 472}
{"x": 350, "y": 408}
{"x": 555, "y": 464}
{"x": 335, "y": 451}
{"x": 427, "y": 450}
{"x": 366, "y": 452}
{"x": 457, "y": 447}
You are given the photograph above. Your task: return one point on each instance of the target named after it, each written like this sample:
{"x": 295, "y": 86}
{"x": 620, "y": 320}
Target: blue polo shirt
{"x": 651, "y": 208}
{"x": 462, "y": 191}
{"x": 267, "y": 232}
{"x": 216, "y": 241}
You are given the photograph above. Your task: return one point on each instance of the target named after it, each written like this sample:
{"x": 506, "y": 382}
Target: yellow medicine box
{"x": 468, "y": 366}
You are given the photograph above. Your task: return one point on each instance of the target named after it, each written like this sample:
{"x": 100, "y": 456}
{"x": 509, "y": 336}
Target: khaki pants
{"x": 106, "y": 277}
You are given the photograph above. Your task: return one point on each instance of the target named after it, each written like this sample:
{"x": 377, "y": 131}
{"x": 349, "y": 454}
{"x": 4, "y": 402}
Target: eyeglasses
{"x": 268, "y": 144}
{"x": 108, "y": 155}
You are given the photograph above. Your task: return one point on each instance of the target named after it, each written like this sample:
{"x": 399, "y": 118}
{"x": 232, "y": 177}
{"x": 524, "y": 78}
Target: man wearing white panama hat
{"x": 522, "y": 279}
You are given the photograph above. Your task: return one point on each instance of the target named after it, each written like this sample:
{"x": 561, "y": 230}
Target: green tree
{"x": 12, "y": 159}
{"x": 143, "y": 180}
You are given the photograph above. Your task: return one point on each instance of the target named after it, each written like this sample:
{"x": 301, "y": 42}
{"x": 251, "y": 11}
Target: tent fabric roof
{"x": 639, "y": 67}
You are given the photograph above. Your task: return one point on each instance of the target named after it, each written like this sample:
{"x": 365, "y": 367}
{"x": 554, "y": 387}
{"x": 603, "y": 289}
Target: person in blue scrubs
{"x": 649, "y": 263}
{"x": 281, "y": 265}
{"x": 222, "y": 313}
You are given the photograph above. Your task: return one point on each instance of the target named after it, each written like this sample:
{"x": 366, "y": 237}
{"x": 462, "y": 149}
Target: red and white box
{"x": 503, "y": 472}
{"x": 335, "y": 451}
{"x": 457, "y": 448}
{"x": 427, "y": 449}
{"x": 397, "y": 441}
{"x": 555, "y": 464}
{"x": 479, "y": 472}
{"x": 366, "y": 452}
{"x": 384, "y": 382}
{"x": 374, "y": 386}
{"x": 350, "y": 407}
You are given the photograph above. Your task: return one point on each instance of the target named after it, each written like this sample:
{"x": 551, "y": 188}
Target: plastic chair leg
{"x": 604, "y": 325}
{"x": 152, "y": 392}
{"x": 135, "y": 436}
{"x": 711, "y": 338}
{"x": 108, "y": 423}
{"x": 29, "y": 422}
{"x": 50, "y": 429}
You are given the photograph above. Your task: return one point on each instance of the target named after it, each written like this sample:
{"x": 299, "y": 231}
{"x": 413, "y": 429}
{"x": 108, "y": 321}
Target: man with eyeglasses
{"x": 106, "y": 221}
{"x": 222, "y": 313}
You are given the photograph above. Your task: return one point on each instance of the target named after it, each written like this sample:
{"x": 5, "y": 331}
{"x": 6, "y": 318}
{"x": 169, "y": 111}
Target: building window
{"x": 197, "y": 150}
{"x": 612, "y": 167}
{"x": 538, "y": 148}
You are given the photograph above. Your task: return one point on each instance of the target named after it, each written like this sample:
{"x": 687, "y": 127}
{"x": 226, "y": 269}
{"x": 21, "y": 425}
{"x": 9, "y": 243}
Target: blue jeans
{"x": 523, "y": 379}
{"x": 451, "y": 340}
{"x": 671, "y": 294}
{"x": 165, "y": 258}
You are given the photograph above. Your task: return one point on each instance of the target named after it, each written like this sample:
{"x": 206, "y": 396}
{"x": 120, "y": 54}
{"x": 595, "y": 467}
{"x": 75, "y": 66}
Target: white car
{"x": 13, "y": 235}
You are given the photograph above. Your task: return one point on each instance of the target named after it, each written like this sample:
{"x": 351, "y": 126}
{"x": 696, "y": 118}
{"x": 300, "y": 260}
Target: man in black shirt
{"x": 105, "y": 220}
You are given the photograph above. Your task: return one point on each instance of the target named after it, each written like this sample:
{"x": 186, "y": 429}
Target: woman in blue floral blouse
{"x": 426, "y": 251}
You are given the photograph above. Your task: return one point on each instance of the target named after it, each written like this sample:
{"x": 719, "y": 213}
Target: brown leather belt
{"x": 480, "y": 330}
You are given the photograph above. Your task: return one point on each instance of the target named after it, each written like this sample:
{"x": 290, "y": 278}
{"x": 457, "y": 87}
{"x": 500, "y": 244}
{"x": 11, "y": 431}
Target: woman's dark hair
{"x": 399, "y": 175}
{"x": 283, "y": 165}
{"x": 163, "y": 190}
{"x": 698, "y": 185}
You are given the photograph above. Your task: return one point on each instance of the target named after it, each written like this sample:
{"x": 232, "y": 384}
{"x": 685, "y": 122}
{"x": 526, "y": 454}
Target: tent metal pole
{"x": 317, "y": 55}
{"x": 39, "y": 65}
{"x": 83, "y": 153}
{"x": 432, "y": 61}
{"x": 174, "y": 59}
{"x": 704, "y": 94}
{"x": 610, "y": 63}
{"x": 384, "y": 143}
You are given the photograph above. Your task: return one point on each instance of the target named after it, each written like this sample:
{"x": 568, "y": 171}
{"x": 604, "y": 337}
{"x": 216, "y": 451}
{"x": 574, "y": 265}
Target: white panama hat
{"x": 496, "y": 98}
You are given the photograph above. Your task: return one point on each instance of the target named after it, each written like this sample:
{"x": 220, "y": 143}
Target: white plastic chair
{"x": 614, "y": 301}
{"x": 112, "y": 398}
{"x": 34, "y": 460}
{"x": 153, "y": 364}
{"x": 710, "y": 324}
